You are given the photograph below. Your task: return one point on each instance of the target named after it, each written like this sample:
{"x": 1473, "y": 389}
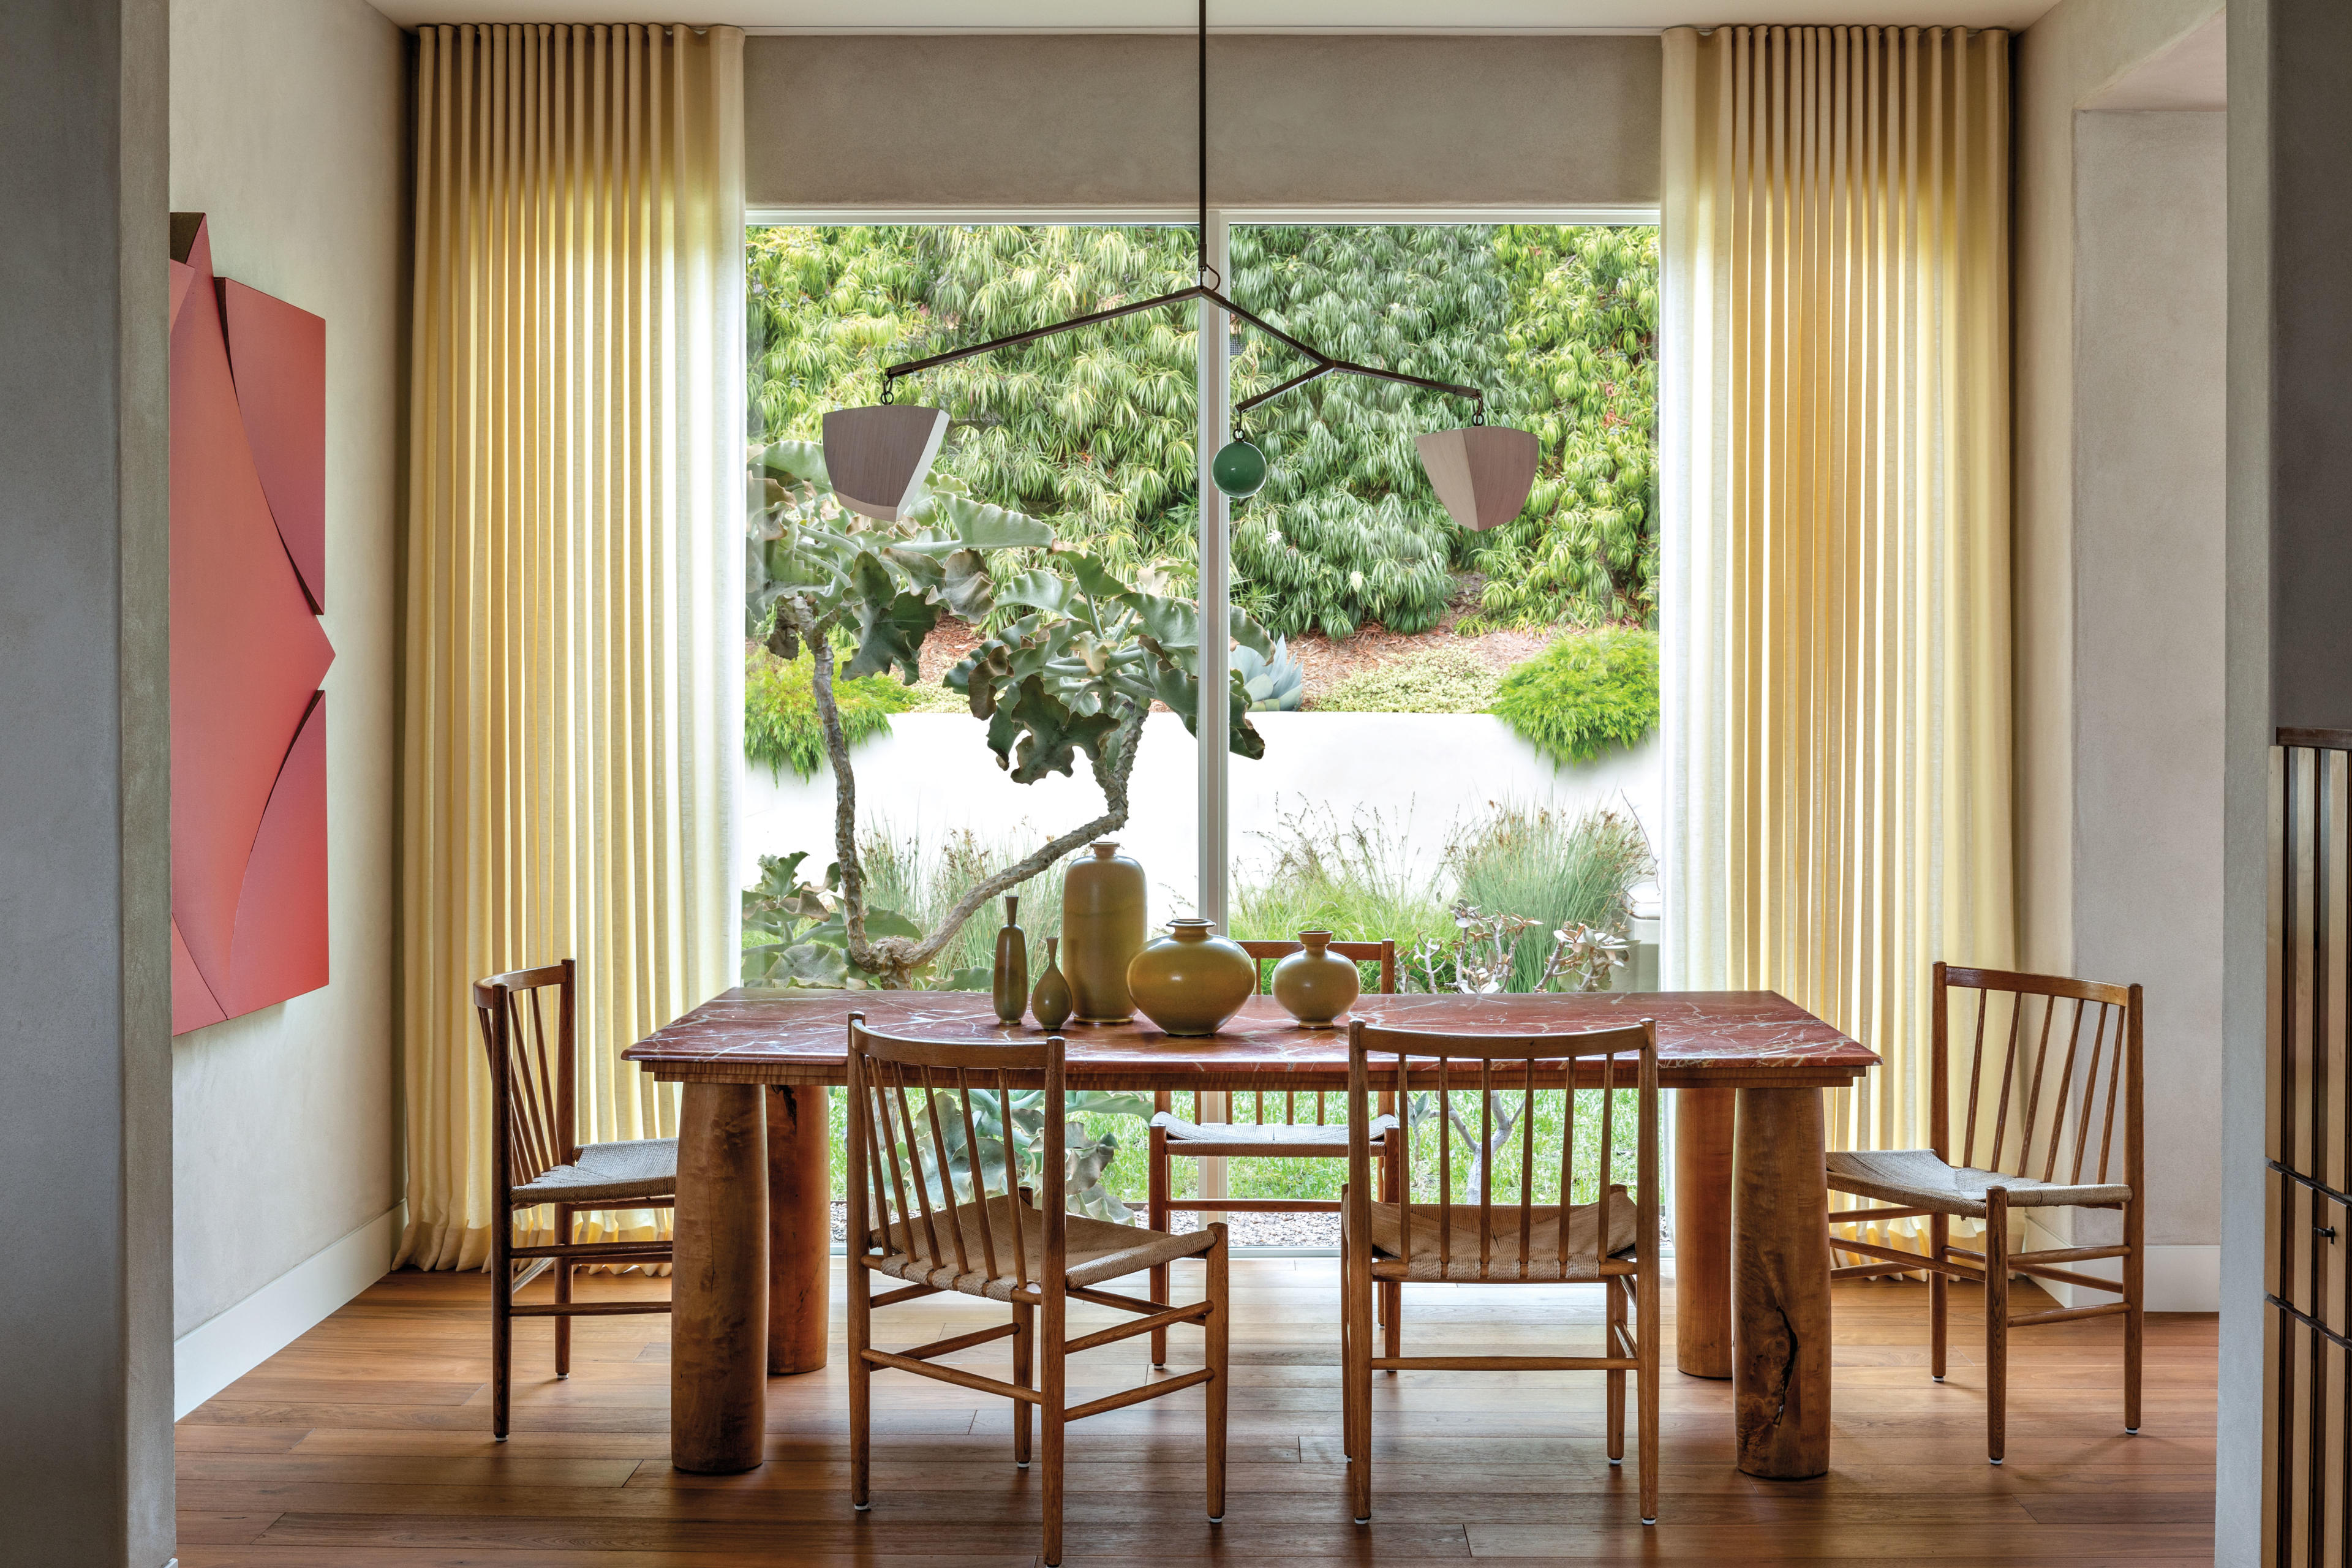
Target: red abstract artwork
{"x": 249, "y": 579}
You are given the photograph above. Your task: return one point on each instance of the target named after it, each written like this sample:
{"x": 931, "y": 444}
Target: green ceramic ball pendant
{"x": 1239, "y": 470}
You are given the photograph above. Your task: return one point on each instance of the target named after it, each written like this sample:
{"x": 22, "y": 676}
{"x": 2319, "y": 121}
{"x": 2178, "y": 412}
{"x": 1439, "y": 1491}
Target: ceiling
{"x": 1235, "y": 15}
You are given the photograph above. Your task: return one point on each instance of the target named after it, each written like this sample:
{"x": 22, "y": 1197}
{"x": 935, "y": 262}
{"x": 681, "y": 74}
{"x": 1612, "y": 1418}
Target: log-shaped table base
{"x": 800, "y": 1229}
{"x": 719, "y": 1311}
{"x": 1780, "y": 1285}
{"x": 1703, "y": 1120}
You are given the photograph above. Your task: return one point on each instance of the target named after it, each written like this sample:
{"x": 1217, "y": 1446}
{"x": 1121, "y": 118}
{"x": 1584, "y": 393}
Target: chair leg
{"x": 1996, "y": 1322}
{"x": 1049, "y": 1414}
{"x": 1217, "y": 1354}
{"x": 1615, "y": 1290}
{"x": 1356, "y": 1353}
{"x": 1157, "y": 1217}
{"x": 861, "y": 1384}
{"x": 501, "y": 1321}
{"x": 1391, "y": 1291}
{"x": 563, "y": 1293}
{"x": 1024, "y": 1354}
{"x": 2135, "y": 1310}
{"x": 1646, "y": 1416}
{"x": 1939, "y": 1290}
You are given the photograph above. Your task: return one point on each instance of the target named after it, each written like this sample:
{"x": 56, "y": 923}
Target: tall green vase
{"x": 1012, "y": 976}
{"x": 1102, "y": 929}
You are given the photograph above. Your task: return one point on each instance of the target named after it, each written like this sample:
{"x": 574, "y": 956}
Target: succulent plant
{"x": 1275, "y": 684}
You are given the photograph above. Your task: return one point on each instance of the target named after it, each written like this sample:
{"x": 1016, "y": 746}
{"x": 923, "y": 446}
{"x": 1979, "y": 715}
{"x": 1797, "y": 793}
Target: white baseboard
{"x": 224, "y": 1348}
{"x": 2178, "y": 1279}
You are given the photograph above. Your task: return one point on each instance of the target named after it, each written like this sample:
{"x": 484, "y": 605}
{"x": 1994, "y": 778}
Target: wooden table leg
{"x": 800, "y": 1228}
{"x": 718, "y": 1311}
{"x": 1780, "y": 1284}
{"x": 1703, "y": 1120}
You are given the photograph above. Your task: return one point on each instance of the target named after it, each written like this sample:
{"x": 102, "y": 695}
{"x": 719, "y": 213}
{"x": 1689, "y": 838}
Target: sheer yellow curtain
{"x": 1834, "y": 482}
{"x": 573, "y": 710}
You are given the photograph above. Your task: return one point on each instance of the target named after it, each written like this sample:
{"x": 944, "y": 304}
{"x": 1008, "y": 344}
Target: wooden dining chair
{"x": 1612, "y": 1240}
{"x": 921, "y": 1209}
{"x": 536, "y": 1158}
{"x": 1287, "y": 1138}
{"x": 2026, "y": 1143}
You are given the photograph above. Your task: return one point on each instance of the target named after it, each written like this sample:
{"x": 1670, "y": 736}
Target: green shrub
{"x": 1448, "y": 677}
{"x": 780, "y": 721}
{"x": 1587, "y": 692}
{"x": 1551, "y": 868}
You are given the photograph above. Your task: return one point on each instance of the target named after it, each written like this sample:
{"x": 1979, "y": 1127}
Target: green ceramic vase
{"x": 1314, "y": 985}
{"x": 1050, "y": 999}
{"x": 1190, "y": 981}
{"x": 1102, "y": 929}
{"x": 1012, "y": 977}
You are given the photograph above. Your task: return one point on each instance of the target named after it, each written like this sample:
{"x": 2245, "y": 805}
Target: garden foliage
{"x": 1094, "y": 431}
{"x": 1446, "y": 677}
{"x": 781, "y": 728}
{"x": 1587, "y": 692}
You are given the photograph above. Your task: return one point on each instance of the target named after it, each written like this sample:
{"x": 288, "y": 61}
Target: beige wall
{"x": 290, "y": 128}
{"x": 1108, "y": 121}
{"x": 2079, "y": 49}
{"x": 2151, "y": 306}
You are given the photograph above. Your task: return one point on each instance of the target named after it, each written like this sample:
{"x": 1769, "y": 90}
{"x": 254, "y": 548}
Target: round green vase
{"x": 1314, "y": 985}
{"x": 1050, "y": 999}
{"x": 1191, "y": 981}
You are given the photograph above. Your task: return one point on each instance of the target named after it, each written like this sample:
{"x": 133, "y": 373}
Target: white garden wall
{"x": 1420, "y": 773}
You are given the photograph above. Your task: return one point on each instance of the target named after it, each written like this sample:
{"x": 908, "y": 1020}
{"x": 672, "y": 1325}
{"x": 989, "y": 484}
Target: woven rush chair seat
{"x": 1920, "y": 1178}
{"x": 1097, "y": 1249}
{"x": 1233, "y": 1137}
{"x": 639, "y": 1168}
{"x": 1392, "y": 1260}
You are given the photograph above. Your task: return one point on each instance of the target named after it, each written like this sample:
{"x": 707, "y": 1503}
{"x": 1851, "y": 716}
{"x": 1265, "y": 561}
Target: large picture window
{"x": 1458, "y": 747}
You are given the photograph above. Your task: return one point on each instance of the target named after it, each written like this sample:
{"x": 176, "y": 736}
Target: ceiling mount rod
{"x": 1200, "y": 273}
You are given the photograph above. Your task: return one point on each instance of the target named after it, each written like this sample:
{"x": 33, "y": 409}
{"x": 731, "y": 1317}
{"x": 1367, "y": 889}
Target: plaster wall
{"x": 289, "y": 125}
{"x": 962, "y": 121}
{"x": 933, "y": 774}
{"x": 2150, "y": 405}
{"x": 2076, "y": 51}
{"x": 85, "y": 1127}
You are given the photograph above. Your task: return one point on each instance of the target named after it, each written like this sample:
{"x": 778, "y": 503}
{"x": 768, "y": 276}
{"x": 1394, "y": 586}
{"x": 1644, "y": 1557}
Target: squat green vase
{"x": 1190, "y": 980}
{"x": 1314, "y": 986}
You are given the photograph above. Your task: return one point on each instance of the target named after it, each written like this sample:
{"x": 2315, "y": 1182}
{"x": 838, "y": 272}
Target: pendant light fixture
{"x": 1481, "y": 472}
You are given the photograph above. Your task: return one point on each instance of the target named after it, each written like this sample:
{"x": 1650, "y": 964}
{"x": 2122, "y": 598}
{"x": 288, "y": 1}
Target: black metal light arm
{"x": 1324, "y": 363}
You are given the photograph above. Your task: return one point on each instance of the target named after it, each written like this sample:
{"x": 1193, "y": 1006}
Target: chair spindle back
{"x": 533, "y": 1128}
{"x": 1507, "y": 1068}
{"x": 913, "y": 1105}
{"x": 2045, "y": 1081}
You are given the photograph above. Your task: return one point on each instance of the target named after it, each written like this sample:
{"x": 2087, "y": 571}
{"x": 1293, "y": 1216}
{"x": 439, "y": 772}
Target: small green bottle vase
{"x": 1050, "y": 1001}
{"x": 1190, "y": 981}
{"x": 1102, "y": 929}
{"x": 1011, "y": 986}
{"x": 1314, "y": 985}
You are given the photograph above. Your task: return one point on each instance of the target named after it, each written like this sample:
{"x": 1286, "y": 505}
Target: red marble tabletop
{"x": 1705, "y": 1038}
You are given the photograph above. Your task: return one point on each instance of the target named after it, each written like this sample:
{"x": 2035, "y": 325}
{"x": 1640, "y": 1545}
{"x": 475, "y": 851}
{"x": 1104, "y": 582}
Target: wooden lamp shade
{"x": 876, "y": 457}
{"x": 1483, "y": 473}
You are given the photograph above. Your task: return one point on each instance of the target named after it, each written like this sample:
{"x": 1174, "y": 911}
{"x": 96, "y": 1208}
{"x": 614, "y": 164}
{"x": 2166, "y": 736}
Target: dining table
{"x": 753, "y": 1238}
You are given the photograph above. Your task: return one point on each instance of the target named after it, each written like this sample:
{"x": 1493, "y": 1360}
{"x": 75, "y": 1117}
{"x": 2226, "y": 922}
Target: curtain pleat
{"x": 571, "y": 722}
{"x": 1834, "y": 476}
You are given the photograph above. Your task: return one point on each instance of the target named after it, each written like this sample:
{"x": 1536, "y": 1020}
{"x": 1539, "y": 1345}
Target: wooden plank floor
{"x": 366, "y": 1444}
